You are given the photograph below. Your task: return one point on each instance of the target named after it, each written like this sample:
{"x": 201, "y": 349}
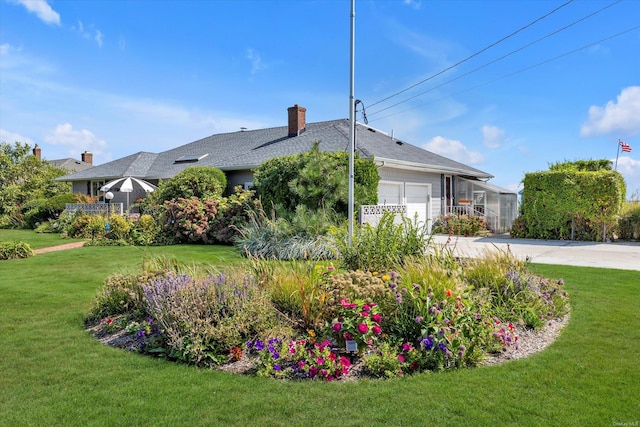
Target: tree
{"x": 315, "y": 179}
{"x": 23, "y": 178}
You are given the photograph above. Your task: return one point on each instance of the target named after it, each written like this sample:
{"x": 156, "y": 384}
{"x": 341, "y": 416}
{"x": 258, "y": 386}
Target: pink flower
{"x": 313, "y": 371}
{"x": 332, "y": 356}
{"x": 347, "y": 336}
{"x": 336, "y": 327}
{"x": 365, "y": 307}
{"x": 364, "y": 314}
{"x": 376, "y": 318}
{"x": 320, "y": 361}
{"x": 376, "y": 329}
{"x": 363, "y": 328}
{"x": 406, "y": 346}
{"x": 344, "y": 362}
{"x": 401, "y": 358}
{"x": 331, "y": 268}
{"x": 344, "y": 303}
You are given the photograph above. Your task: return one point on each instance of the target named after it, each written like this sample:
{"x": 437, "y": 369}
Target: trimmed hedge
{"x": 556, "y": 202}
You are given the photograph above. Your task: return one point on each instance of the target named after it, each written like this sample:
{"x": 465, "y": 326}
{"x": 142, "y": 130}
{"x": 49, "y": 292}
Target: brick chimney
{"x": 87, "y": 157}
{"x": 37, "y": 152}
{"x": 297, "y": 120}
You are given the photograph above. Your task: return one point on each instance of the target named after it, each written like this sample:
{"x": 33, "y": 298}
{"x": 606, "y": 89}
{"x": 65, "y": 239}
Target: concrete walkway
{"x": 624, "y": 256}
{"x": 66, "y": 246}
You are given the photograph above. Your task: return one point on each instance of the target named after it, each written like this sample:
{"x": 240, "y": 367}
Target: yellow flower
{"x": 311, "y": 333}
{"x": 386, "y": 277}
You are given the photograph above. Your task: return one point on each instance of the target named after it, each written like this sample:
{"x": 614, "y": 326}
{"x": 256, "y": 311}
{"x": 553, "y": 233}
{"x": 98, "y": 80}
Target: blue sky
{"x": 118, "y": 77}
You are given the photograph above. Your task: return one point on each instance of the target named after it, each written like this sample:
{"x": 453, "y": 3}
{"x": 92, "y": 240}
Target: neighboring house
{"x": 428, "y": 184}
{"x": 68, "y": 165}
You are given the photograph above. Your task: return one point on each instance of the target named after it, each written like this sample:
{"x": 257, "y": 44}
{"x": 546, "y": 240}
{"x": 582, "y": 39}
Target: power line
{"x": 499, "y": 58}
{"x": 518, "y": 71}
{"x": 473, "y": 55}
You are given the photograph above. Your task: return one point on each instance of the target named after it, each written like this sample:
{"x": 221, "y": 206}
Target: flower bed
{"x": 306, "y": 321}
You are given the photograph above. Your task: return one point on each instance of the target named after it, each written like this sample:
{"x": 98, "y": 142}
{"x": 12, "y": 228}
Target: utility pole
{"x": 352, "y": 122}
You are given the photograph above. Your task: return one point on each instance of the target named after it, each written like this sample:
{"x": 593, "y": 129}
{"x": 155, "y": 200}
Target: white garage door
{"x": 390, "y": 193}
{"x": 417, "y": 199}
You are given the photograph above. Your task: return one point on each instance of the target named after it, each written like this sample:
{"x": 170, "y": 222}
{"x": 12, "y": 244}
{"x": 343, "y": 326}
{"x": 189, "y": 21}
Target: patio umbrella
{"x": 127, "y": 185}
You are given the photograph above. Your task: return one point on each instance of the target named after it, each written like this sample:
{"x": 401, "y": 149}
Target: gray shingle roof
{"x": 244, "y": 150}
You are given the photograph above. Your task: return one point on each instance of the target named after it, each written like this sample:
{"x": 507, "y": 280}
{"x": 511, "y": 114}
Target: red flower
{"x": 336, "y": 327}
{"x": 449, "y": 293}
{"x": 376, "y": 330}
{"x": 363, "y": 328}
{"x": 376, "y": 318}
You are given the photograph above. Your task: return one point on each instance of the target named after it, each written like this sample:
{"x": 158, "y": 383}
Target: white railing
{"x": 489, "y": 216}
{"x": 99, "y": 208}
{"x": 371, "y": 214}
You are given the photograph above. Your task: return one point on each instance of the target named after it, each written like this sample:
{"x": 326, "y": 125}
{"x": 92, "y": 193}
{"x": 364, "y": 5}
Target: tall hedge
{"x": 555, "y": 202}
{"x": 317, "y": 180}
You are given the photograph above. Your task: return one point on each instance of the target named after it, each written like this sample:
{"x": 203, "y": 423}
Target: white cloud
{"x": 77, "y": 141}
{"x": 621, "y": 117}
{"x": 11, "y": 138}
{"x": 4, "y": 48}
{"x": 493, "y": 136}
{"x": 42, "y": 9}
{"x": 630, "y": 170}
{"x": 256, "y": 61}
{"x": 89, "y": 34}
{"x": 98, "y": 37}
{"x": 413, "y": 3}
{"x": 454, "y": 150}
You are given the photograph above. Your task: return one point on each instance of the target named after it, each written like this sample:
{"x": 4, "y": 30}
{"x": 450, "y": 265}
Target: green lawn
{"x": 35, "y": 240}
{"x": 54, "y": 373}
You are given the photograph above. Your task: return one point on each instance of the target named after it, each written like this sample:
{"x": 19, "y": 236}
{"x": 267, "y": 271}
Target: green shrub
{"x": 461, "y": 225}
{"x": 203, "y": 182}
{"x": 383, "y": 247}
{"x": 317, "y": 180}
{"x": 119, "y": 227}
{"x": 84, "y": 226}
{"x": 15, "y": 250}
{"x": 629, "y": 222}
{"x": 122, "y": 294}
{"x": 145, "y": 231}
{"x": 37, "y": 211}
{"x": 233, "y": 213}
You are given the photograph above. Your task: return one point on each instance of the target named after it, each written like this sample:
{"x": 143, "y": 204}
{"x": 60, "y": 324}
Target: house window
{"x": 248, "y": 185}
{"x": 95, "y": 187}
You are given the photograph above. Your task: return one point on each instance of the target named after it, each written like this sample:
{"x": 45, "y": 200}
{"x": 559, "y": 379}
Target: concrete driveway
{"x": 624, "y": 256}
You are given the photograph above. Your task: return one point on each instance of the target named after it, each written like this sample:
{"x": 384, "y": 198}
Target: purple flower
{"x": 258, "y": 345}
{"x": 276, "y": 367}
{"x": 442, "y": 347}
{"x": 419, "y": 319}
{"x": 428, "y": 343}
{"x": 276, "y": 355}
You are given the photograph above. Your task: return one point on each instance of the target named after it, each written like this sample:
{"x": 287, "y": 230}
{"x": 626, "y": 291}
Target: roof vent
{"x": 191, "y": 158}
{"x": 399, "y": 142}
